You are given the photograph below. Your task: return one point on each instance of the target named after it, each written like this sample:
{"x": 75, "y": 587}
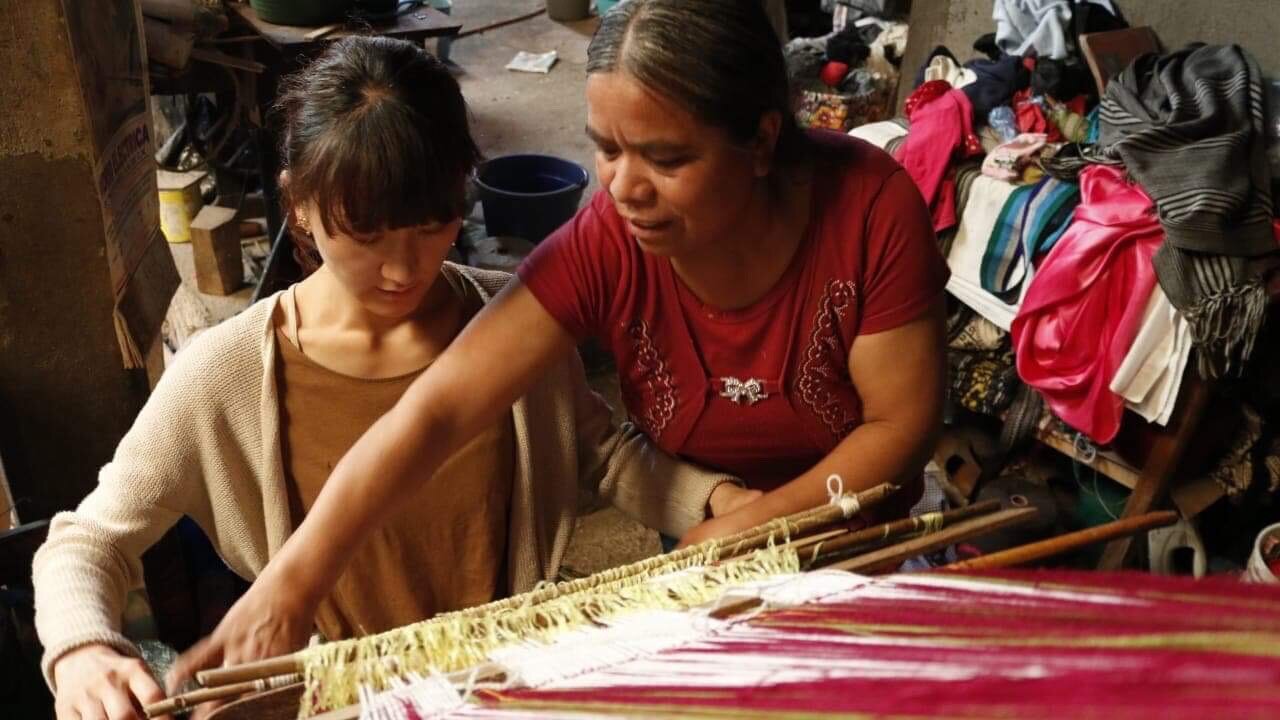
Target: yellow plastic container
{"x": 179, "y": 203}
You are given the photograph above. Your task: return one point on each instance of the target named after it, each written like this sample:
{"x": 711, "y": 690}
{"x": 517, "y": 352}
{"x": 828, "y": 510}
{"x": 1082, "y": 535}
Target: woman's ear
{"x": 766, "y": 142}
{"x": 295, "y": 216}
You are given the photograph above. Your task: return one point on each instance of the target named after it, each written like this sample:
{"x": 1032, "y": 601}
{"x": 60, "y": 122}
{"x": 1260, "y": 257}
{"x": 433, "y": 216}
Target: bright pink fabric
{"x": 941, "y": 130}
{"x": 1085, "y": 303}
{"x": 869, "y": 263}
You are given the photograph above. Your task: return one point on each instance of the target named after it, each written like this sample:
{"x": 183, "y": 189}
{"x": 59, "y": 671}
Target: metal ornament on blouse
{"x": 748, "y": 392}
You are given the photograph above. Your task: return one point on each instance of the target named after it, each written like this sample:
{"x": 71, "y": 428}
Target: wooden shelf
{"x": 1103, "y": 461}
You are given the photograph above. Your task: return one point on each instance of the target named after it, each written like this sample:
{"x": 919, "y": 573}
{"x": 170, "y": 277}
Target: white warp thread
{"x": 579, "y": 655}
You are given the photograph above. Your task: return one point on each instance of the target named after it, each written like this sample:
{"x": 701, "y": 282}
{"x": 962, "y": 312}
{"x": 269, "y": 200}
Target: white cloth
{"x": 983, "y": 302}
{"x": 894, "y": 36}
{"x": 1040, "y": 25}
{"x": 1149, "y": 377}
{"x": 944, "y": 68}
{"x": 978, "y": 217}
{"x": 879, "y": 134}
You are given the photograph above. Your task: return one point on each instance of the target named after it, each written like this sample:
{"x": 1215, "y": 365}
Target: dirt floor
{"x": 515, "y": 112}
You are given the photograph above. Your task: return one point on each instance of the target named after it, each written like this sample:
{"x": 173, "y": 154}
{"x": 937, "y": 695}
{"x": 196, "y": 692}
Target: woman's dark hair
{"x": 375, "y": 133}
{"x": 719, "y": 59}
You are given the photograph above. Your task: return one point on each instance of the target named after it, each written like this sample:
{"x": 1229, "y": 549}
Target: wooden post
{"x": 1162, "y": 464}
{"x": 215, "y": 244}
{"x": 85, "y": 275}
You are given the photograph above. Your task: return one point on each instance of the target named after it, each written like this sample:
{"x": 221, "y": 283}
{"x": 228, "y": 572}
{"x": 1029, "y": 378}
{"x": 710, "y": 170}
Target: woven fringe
{"x": 1224, "y": 327}
{"x": 335, "y": 673}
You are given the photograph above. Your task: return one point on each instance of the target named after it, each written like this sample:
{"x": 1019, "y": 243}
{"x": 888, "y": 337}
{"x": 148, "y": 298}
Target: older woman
{"x": 772, "y": 298}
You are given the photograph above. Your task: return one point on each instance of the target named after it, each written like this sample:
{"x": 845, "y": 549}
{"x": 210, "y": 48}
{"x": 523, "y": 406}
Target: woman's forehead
{"x": 618, "y": 104}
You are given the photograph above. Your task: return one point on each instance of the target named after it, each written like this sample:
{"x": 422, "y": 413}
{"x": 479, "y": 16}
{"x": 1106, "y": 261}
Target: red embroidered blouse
{"x": 763, "y": 392}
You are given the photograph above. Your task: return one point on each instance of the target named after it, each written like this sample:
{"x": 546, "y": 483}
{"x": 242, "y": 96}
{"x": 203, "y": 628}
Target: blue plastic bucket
{"x": 529, "y": 196}
{"x": 604, "y": 6}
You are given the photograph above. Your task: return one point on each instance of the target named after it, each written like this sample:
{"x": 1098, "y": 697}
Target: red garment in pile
{"x": 941, "y": 130}
{"x": 1032, "y": 118}
{"x": 1085, "y": 303}
{"x": 923, "y": 95}
{"x": 868, "y": 263}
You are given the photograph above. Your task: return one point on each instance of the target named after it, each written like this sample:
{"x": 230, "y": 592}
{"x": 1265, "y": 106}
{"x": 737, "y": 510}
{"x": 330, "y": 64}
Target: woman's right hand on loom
{"x": 273, "y": 618}
{"x": 95, "y": 682}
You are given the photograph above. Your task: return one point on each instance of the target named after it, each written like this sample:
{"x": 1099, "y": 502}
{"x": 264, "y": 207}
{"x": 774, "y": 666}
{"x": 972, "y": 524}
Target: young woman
{"x": 773, "y": 300}
{"x": 243, "y": 430}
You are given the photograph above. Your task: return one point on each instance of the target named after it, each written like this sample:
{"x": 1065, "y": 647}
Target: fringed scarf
{"x": 1189, "y": 127}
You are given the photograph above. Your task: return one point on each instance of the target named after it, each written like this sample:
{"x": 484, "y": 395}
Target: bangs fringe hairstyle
{"x": 375, "y": 134}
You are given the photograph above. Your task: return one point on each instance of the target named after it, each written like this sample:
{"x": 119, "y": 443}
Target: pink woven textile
{"x": 1014, "y": 644}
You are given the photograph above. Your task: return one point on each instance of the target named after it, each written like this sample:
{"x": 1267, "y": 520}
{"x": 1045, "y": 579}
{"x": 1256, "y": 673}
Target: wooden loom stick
{"x": 889, "y": 557}
{"x": 1031, "y": 552}
{"x": 879, "y": 532}
{"x": 906, "y": 526}
{"x": 803, "y": 523}
{"x": 255, "y": 670}
{"x": 809, "y": 541}
{"x": 184, "y": 701}
{"x": 750, "y": 539}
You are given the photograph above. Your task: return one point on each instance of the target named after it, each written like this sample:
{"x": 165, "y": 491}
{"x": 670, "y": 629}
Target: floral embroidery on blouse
{"x": 819, "y": 376}
{"x": 660, "y": 401}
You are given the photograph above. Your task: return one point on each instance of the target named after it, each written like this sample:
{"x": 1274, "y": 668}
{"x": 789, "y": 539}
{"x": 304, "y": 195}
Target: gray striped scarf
{"x": 1189, "y": 127}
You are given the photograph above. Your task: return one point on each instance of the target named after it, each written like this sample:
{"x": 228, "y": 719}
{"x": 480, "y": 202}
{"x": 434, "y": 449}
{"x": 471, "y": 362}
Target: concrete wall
{"x": 1254, "y": 24}
{"x": 65, "y": 400}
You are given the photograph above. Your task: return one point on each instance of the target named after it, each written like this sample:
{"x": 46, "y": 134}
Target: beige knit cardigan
{"x": 207, "y": 445}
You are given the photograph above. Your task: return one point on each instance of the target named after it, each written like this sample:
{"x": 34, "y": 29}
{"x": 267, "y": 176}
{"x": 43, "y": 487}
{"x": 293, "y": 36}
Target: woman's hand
{"x": 707, "y": 530}
{"x": 728, "y": 497}
{"x": 273, "y": 618}
{"x": 95, "y": 682}
{"x": 744, "y": 516}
